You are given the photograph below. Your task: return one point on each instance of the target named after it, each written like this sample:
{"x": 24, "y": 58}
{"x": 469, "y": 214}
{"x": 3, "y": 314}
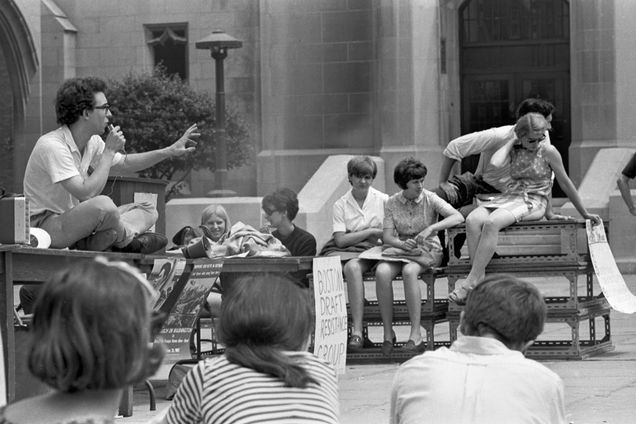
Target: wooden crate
{"x": 571, "y": 274}
{"x": 539, "y": 242}
{"x": 576, "y": 346}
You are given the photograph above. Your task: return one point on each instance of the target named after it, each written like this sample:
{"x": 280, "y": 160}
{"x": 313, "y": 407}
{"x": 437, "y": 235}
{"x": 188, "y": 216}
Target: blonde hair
{"x": 219, "y": 211}
{"x": 530, "y": 122}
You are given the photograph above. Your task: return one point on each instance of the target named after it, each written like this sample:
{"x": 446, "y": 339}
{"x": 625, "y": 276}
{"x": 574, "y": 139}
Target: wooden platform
{"x": 26, "y": 265}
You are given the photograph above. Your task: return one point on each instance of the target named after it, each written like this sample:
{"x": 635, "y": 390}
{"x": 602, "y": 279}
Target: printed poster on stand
{"x": 181, "y": 295}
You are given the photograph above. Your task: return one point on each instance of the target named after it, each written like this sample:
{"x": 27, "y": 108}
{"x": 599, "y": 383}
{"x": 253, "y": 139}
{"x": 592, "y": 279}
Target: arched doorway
{"x": 18, "y": 63}
{"x": 511, "y": 50}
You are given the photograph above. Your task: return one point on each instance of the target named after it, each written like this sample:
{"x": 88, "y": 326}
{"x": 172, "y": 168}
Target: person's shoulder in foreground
{"x": 4, "y": 420}
{"x": 266, "y": 396}
{"x": 502, "y": 318}
{"x": 93, "y": 327}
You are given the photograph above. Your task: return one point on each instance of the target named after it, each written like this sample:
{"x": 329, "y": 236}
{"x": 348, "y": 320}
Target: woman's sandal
{"x": 355, "y": 342}
{"x": 459, "y": 295}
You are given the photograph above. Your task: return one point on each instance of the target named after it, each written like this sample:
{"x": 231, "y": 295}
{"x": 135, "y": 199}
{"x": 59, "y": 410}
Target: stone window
{"x": 169, "y": 47}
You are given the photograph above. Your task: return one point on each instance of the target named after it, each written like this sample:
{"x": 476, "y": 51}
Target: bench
{"x": 527, "y": 249}
{"x": 433, "y": 313}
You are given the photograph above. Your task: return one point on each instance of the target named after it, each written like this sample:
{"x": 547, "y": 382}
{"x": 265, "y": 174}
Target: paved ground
{"x": 600, "y": 389}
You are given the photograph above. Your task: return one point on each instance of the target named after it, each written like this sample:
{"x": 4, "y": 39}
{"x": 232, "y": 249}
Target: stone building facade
{"x": 314, "y": 78}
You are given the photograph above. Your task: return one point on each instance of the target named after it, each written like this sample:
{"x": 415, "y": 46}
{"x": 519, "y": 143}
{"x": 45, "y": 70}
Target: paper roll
{"x": 39, "y": 238}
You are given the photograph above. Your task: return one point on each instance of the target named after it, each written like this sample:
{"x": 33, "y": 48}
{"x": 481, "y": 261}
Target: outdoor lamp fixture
{"x": 218, "y": 43}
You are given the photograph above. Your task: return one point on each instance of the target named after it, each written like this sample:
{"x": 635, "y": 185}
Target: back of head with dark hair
{"x": 511, "y": 309}
{"x": 282, "y": 200}
{"x": 532, "y": 104}
{"x": 361, "y": 166}
{"x": 407, "y": 170}
{"x": 91, "y": 329}
{"x": 261, "y": 316}
{"x": 76, "y": 95}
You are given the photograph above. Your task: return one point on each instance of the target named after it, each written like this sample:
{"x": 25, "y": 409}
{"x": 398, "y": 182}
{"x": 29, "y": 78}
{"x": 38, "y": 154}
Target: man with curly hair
{"x": 69, "y": 167}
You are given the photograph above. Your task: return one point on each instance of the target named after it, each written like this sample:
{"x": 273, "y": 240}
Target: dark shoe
{"x": 144, "y": 243}
{"x": 355, "y": 342}
{"x": 387, "y": 346}
{"x": 410, "y": 346}
{"x": 97, "y": 242}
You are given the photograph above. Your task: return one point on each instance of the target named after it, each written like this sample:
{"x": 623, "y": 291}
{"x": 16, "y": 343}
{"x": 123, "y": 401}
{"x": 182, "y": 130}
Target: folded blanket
{"x": 243, "y": 241}
{"x": 244, "y": 238}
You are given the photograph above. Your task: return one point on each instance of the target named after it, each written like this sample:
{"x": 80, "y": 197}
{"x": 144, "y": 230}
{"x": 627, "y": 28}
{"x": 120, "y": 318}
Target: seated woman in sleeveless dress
{"x": 532, "y": 162}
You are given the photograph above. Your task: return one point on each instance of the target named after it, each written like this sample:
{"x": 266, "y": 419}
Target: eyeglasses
{"x": 105, "y": 107}
{"x": 535, "y": 140}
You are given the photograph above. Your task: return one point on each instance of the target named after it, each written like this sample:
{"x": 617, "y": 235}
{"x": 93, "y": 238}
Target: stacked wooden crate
{"x": 546, "y": 249}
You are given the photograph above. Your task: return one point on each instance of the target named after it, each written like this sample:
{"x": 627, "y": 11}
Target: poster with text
{"x": 609, "y": 277}
{"x": 330, "y": 340}
{"x": 191, "y": 291}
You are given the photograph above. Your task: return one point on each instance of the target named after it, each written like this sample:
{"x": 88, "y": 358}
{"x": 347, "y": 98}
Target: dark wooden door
{"x": 512, "y": 50}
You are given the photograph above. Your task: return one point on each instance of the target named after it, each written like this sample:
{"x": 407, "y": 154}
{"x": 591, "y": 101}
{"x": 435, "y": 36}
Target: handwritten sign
{"x": 330, "y": 341}
{"x": 609, "y": 277}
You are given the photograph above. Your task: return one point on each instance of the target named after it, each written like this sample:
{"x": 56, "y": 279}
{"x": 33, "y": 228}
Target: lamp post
{"x": 218, "y": 43}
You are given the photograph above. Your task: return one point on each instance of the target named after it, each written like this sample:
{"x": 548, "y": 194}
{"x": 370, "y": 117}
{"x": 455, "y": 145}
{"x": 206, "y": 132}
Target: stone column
{"x": 318, "y": 86}
{"x": 595, "y": 80}
{"x": 409, "y": 86}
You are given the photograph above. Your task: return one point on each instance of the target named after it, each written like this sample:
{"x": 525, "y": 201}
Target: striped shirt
{"x": 217, "y": 391}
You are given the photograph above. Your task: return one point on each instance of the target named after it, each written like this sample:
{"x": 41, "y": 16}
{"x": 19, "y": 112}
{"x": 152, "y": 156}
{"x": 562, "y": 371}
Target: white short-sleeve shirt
{"x": 56, "y": 158}
{"x": 349, "y": 217}
{"x": 478, "y": 380}
{"x": 486, "y": 143}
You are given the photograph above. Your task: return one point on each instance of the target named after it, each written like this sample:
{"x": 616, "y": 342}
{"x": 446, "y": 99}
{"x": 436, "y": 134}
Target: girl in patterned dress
{"x": 532, "y": 162}
{"x": 410, "y": 225}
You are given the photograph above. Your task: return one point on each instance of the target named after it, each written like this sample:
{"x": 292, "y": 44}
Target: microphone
{"x": 111, "y": 127}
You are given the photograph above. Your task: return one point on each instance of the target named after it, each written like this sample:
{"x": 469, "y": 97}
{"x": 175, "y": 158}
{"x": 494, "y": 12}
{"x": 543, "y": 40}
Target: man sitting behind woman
{"x": 532, "y": 162}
